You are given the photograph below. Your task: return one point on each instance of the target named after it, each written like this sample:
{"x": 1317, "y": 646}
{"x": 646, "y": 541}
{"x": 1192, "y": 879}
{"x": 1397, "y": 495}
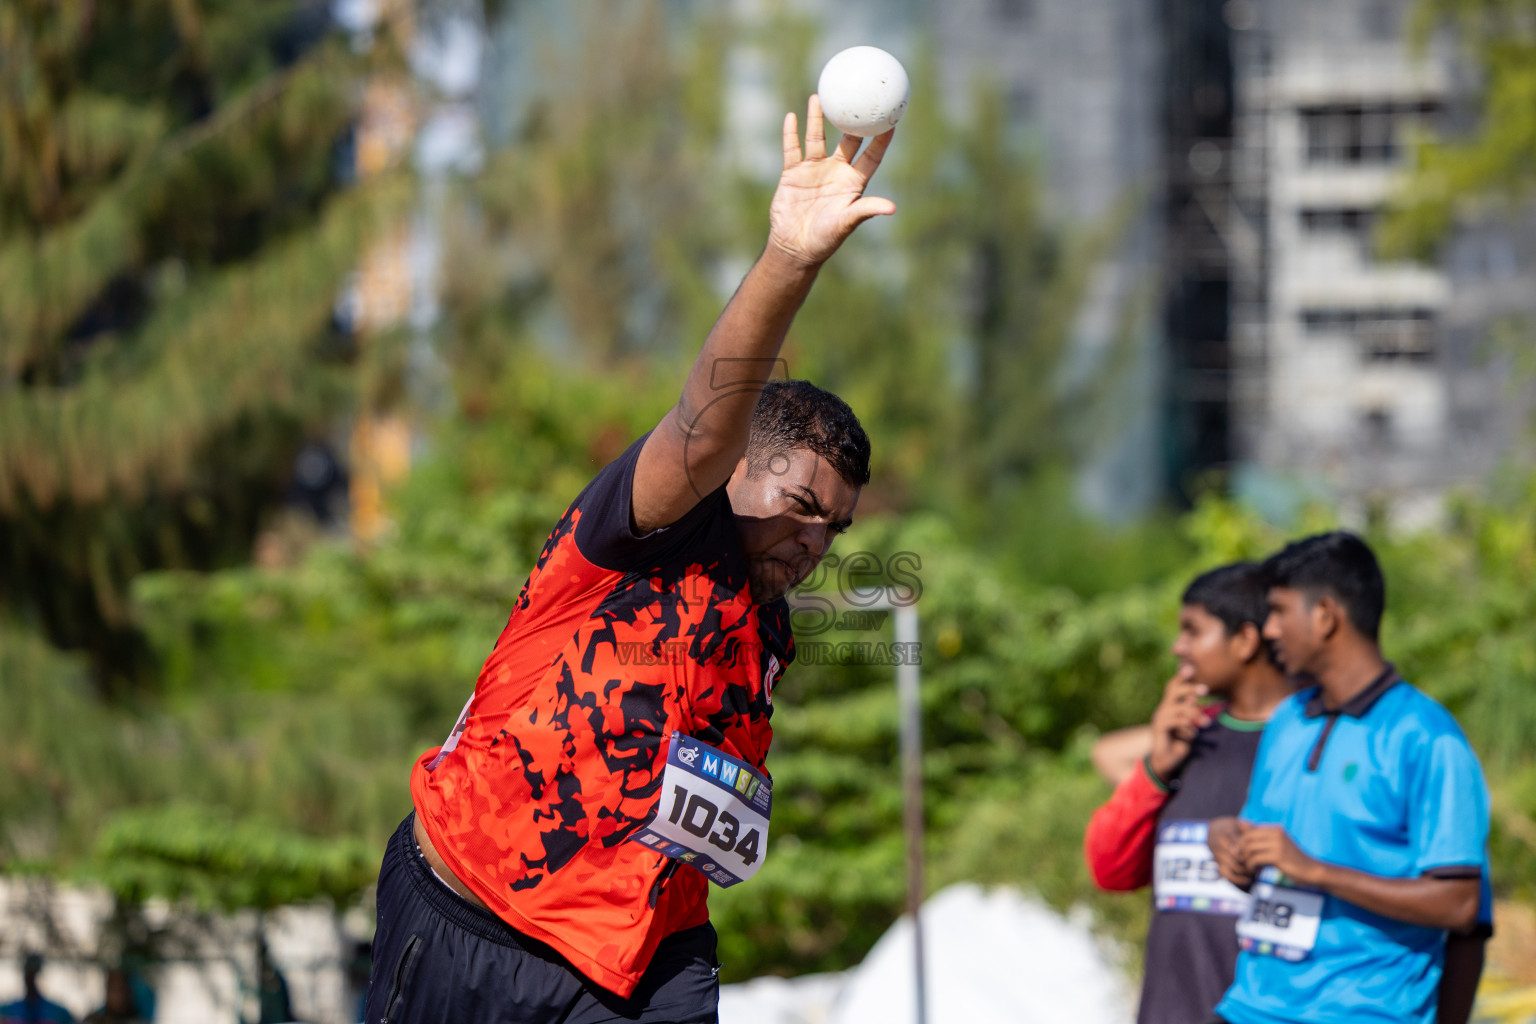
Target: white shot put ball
{"x": 863, "y": 91}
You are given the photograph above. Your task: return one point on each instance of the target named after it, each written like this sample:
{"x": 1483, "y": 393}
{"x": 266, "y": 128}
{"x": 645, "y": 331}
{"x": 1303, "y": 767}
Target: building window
{"x": 1360, "y": 134}
{"x": 1383, "y": 334}
{"x": 1021, "y": 103}
{"x": 1486, "y": 254}
{"x": 1354, "y": 224}
{"x": 1338, "y": 220}
{"x": 1376, "y": 425}
{"x": 1014, "y": 13}
{"x": 1381, "y": 20}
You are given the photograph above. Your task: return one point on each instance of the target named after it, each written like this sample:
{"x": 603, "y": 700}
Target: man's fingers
{"x": 791, "y": 140}
{"x": 863, "y": 209}
{"x": 847, "y": 146}
{"x": 1184, "y": 688}
{"x": 815, "y": 133}
{"x": 1258, "y": 848}
{"x": 1189, "y": 717}
{"x": 1181, "y": 680}
{"x": 867, "y": 163}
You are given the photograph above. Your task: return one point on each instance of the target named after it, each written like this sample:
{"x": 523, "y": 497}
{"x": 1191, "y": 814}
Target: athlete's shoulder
{"x": 1411, "y": 708}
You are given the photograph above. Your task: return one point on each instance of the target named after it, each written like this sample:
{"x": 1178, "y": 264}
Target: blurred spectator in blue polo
{"x": 121, "y": 1006}
{"x": 273, "y": 1005}
{"x": 32, "y": 1008}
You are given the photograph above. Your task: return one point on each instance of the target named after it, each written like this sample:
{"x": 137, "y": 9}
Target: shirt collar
{"x": 1360, "y": 703}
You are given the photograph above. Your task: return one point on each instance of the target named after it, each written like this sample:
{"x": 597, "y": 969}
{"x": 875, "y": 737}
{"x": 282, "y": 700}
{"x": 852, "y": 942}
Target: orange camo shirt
{"x": 615, "y": 642}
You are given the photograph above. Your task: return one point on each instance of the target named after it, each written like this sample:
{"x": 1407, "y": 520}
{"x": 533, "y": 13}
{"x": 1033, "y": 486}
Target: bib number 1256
{"x": 713, "y": 812}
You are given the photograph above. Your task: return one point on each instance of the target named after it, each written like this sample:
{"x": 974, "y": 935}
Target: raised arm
{"x": 819, "y": 202}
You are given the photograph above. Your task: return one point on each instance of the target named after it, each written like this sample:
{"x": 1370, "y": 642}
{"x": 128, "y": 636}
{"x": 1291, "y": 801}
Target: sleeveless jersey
{"x": 1191, "y": 956}
{"x": 616, "y": 641}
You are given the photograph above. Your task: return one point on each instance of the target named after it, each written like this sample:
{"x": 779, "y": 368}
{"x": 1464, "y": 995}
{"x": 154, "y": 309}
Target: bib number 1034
{"x": 713, "y": 812}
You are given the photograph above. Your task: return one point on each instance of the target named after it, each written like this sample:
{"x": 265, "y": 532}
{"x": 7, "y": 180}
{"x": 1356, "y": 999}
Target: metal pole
{"x": 910, "y": 712}
{"x": 908, "y": 677}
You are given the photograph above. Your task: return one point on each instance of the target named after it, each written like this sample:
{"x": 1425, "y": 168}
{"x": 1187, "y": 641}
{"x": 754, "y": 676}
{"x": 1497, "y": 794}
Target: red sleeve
{"x": 1121, "y": 834}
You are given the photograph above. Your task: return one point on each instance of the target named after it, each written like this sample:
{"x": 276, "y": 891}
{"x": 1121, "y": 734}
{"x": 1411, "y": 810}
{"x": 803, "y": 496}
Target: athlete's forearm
{"x": 715, "y": 409}
{"x": 1459, "y": 980}
{"x": 1449, "y": 903}
{"x": 699, "y": 442}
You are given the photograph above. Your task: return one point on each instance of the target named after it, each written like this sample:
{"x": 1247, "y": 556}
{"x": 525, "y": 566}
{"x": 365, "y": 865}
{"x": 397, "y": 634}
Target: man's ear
{"x": 1327, "y": 616}
{"x": 736, "y": 480}
{"x": 1246, "y": 642}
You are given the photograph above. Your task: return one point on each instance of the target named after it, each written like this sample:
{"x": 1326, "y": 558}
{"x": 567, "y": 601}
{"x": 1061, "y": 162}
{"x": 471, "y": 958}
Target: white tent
{"x": 991, "y": 955}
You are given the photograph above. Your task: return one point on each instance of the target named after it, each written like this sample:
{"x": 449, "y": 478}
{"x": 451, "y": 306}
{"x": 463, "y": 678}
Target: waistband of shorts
{"x": 452, "y": 906}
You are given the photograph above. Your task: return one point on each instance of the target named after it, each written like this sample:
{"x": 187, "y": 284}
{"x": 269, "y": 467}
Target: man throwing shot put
{"x": 1364, "y": 834}
{"x": 610, "y": 762}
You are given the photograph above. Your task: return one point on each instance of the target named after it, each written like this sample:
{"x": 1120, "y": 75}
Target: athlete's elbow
{"x": 1124, "y": 882}
{"x": 1102, "y": 878}
{"x": 1111, "y": 874}
{"x": 1464, "y": 912}
{"x": 1105, "y": 880}
{"x": 1458, "y": 909}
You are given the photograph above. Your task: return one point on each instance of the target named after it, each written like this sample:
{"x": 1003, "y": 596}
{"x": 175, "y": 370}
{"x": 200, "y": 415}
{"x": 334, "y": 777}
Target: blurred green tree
{"x": 582, "y": 268}
{"x": 1498, "y": 159}
{"x": 173, "y": 233}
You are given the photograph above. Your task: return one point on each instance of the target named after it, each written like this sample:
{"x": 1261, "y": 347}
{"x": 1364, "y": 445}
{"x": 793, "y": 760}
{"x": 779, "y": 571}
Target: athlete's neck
{"x": 1258, "y": 692}
{"x": 1348, "y": 669}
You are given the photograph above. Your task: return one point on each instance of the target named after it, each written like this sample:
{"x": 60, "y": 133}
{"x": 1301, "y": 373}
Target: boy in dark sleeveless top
{"x": 1196, "y": 763}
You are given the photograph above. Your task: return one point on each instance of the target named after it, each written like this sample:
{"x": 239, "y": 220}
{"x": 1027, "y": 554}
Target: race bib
{"x": 1185, "y": 876}
{"x": 1282, "y": 921}
{"x": 713, "y": 812}
{"x": 452, "y": 742}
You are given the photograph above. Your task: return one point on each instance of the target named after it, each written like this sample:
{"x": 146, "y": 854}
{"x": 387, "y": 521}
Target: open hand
{"x": 820, "y": 198}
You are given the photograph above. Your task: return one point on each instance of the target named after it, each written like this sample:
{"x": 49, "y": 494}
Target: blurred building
{"x": 425, "y": 119}
{"x": 1083, "y": 81}
{"x": 1254, "y": 145}
{"x": 1358, "y": 379}
{"x": 1263, "y": 141}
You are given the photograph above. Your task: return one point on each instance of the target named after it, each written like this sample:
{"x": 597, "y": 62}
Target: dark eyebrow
{"x": 810, "y": 498}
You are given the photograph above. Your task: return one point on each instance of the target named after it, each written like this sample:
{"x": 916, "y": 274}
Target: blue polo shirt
{"x": 1386, "y": 784}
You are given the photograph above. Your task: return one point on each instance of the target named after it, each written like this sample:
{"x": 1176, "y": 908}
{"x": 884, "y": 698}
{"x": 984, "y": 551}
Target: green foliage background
{"x": 261, "y": 753}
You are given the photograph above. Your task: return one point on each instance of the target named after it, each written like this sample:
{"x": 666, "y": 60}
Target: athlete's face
{"x": 1294, "y": 629}
{"x": 787, "y": 516}
{"x": 1214, "y": 657}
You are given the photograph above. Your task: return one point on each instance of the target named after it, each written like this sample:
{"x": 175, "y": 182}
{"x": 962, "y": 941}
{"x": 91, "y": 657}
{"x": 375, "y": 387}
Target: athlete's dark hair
{"x": 795, "y": 414}
{"x": 1235, "y": 594}
{"x": 1339, "y": 564}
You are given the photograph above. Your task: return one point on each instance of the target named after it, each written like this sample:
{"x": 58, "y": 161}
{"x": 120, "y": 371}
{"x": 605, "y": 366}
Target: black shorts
{"x": 438, "y": 959}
